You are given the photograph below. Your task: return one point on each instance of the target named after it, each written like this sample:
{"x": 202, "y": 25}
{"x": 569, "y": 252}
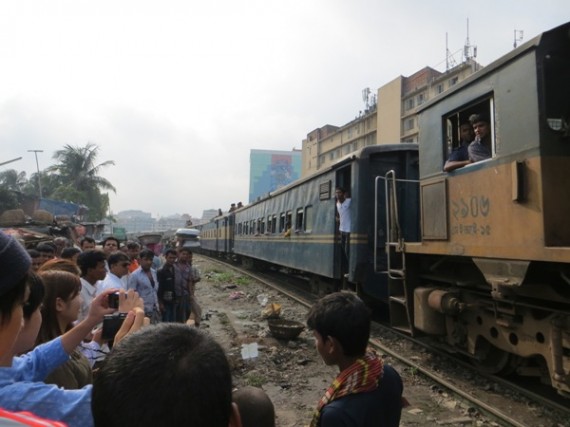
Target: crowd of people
{"x": 57, "y": 368}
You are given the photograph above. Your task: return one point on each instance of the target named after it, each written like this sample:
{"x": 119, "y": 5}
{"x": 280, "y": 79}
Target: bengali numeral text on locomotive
{"x": 473, "y": 207}
{"x": 473, "y": 229}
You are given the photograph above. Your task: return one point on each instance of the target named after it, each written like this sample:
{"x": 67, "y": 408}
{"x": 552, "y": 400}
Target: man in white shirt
{"x": 344, "y": 225}
{"x": 118, "y": 267}
{"x": 92, "y": 265}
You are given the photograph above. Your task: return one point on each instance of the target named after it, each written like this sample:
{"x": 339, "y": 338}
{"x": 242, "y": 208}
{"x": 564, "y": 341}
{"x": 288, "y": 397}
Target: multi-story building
{"x": 392, "y": 119}
{"x": 270, "y": 170}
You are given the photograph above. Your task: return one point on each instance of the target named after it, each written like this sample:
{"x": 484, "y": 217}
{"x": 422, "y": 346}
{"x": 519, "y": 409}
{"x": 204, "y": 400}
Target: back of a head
{"x": 167, "y": 374}
{"x": 255, "y": 407}
{"x": 14, "y": 266}
{"x": 344, "y": 316}
{"x": 60, "y": 264}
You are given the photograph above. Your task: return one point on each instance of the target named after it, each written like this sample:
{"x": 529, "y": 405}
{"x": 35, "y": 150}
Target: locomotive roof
{"x": 493, "y": 66}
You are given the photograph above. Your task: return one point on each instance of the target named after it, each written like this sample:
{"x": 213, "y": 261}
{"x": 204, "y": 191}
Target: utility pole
{"x": 38, "y": 166}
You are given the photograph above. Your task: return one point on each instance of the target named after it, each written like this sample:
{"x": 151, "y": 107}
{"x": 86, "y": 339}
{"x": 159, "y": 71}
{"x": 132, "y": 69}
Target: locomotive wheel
{"x": 492, "y": 360}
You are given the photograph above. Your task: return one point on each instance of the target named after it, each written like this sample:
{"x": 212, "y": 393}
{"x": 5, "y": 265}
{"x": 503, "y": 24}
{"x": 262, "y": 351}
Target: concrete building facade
{"x": 393, "y": 119}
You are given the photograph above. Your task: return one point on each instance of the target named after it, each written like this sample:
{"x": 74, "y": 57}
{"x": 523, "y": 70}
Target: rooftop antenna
{"x": 449, "y": 61}
{"x": 467, "y": 55}
{"x": 365, "y": 97}
{"x": 519, "y": 35}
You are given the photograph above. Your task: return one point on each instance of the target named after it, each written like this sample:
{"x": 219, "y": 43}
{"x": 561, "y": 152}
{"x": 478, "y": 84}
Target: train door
{"x": 342, "y": 238}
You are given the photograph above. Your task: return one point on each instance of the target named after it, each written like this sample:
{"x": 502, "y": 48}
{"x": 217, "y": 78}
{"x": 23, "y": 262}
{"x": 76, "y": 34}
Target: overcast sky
{"x": 177, "y": 92}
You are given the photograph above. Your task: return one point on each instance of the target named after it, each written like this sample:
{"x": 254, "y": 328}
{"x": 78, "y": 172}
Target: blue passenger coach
{"x": 296, "y": 227}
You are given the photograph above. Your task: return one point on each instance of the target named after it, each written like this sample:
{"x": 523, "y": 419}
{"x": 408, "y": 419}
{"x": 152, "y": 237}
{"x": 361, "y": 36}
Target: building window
{"x": 409, "y": 124}
{"x": 409, "y": 103}
{"x": 421, "y": 99}
{"x": 453, "y": 81}
{"x": 439, "y": 88}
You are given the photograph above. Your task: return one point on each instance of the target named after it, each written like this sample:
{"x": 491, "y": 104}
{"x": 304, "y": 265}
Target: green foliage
{"x": 8, "y": 199}
{"x": 74, "y": 178}
{"x": 79, "y": 181}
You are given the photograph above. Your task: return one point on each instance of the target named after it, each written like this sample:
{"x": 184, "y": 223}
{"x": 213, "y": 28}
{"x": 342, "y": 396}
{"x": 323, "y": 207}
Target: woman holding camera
{"x": 60, "y": 309}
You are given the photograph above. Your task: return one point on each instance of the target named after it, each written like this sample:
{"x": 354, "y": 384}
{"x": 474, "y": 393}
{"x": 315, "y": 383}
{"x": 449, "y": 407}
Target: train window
{"x": 274, "y": 223}
{"x": 252, "y": 227}
{"x": 240, "y": 226}
{"x": 288, "y": 219}
{"x": 261, "y": 225}
{"x": 459, "y": 132}
{"x": 308, "y": 219}
{"x": 299, "y": 226}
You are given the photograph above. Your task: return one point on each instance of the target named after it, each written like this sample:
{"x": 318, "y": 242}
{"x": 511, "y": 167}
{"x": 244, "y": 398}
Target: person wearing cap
{"x": 480, "y": 148}
{"x": 21, "y": 386}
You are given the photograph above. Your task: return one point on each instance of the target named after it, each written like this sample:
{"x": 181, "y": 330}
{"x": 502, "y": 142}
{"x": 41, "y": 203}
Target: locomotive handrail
{"x": 389, "y": 178}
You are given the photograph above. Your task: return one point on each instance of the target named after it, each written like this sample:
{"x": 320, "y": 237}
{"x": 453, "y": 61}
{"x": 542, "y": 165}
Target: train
{"x": 478, "y": 258}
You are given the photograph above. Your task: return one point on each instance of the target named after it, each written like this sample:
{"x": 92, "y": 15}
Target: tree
{"x": 11, "y": 179}
{"x": 78, "y": 173}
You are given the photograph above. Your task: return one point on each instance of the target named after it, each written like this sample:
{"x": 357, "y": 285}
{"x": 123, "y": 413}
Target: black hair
{"x": 68, "y": 253}
{"x": 11, "y": 298}
{"x": 170, "y": 252}
{"x": 343, "y": 316}
{"x": 480, "y": 117}
{"x": 33, "y": 253}
{"x": 90, "y": 259}
{"x": 255, "y": 407}
{"x": 168, "y": 374}
{"x": 106, "y": 239}
{"x": 86, "y": 239}
{"x": 37, "y": 292}
{"x": 46, "y": 247}
{"x": 117, "y": 257}
{"x": 146, "y": 254}
{"x": 133, "y": 245}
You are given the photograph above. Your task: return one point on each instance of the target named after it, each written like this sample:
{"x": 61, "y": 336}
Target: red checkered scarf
{"x": 362, "y": 376}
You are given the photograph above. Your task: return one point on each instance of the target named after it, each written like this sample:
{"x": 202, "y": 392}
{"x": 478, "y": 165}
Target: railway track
{"x": 503, "y": 401}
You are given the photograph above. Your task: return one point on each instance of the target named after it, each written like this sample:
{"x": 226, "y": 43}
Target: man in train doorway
{"x": 344, "y": 225}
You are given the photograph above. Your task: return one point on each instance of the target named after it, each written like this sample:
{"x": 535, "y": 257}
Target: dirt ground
{"x": 291, "y": 371}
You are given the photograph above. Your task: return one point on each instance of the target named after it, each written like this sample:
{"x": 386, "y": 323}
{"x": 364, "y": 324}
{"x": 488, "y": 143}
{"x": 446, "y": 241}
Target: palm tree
{"x": 78, "y": 172}
{"x": 13, "y": 180}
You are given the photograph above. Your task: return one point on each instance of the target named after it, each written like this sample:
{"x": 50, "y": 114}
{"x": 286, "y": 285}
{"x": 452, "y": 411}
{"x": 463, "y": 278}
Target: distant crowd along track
{"x": 290, "y": 288}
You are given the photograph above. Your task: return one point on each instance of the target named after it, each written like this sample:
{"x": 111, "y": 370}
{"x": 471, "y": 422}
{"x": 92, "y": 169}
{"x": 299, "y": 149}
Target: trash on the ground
{"x": 249, "y": 351}
{"x": 262, "y": 299}
{"x": 230, "y": 286}
{"x": 237, "y": 295}
{"x": 271, "y": 311}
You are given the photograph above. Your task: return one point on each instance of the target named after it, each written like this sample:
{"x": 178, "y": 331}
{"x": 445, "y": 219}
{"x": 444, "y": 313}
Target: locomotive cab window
{"x": 469, "y": 135}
